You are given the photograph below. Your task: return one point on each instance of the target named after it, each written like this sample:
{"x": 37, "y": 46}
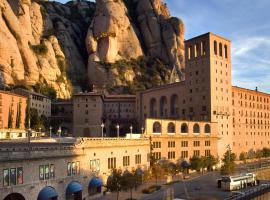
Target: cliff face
{"x": 110, "y": 43}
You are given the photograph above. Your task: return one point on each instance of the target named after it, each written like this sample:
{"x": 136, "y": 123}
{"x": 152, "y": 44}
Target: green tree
{"x": 209, "y": 162}
{"x": 243, "y": 156}
{"x": 10, "y": 118}
{"x": 196, "y": 163}
{"x": 157, "y": 171}
{"x": 228, "y": 160}
{"x": 114, "y": 183}
{"x": 18, "y": 117}
{"x": 129, "y": 181}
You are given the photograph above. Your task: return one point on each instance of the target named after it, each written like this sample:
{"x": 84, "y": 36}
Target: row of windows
{"x": 184, "y": 128}
{"x": 184, "y": 154}
{"x": 252, "y": 105}
{"x": 199, "y": 49}
{"x": 46, "y": 172}
{"x": 13, "y": 176}
{"x": 126, "y": 161}
{"x": 252, "y": 97}
{"x": 73, "y": 168}
{"x": 254, "y": 143}
{"x": 220, "y": 49}
{"x": 171, "y": 144}
{"x": 252, "y": 114}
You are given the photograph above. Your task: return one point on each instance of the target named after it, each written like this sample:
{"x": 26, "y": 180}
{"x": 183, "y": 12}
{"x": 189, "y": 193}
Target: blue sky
{"x": 245, "y": 22}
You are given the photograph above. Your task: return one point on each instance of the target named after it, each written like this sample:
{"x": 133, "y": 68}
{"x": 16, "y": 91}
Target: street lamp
{"x": 131, "y": 131}
{"x": 50, "y": 131}
{"x": 59, "y": 132}
{"x": 102, "y": 127}
{"x": 39, "y": 131}
{"x": 117, "y": 127}
{"x": 142, "y": 130}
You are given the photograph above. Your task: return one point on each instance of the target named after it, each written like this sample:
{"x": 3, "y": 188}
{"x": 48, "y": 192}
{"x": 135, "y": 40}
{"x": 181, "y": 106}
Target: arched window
{"x": 196, "y": 128}
{"x": 189, "y": 52}
{"x": 215, "y": 47}
{"x": 203, "y": 50}
{"x": 153, "y": 107}
{"x": 226, "y": 51}
{"x": 174, "y": 105}
{"x": 207, "y": 128}
{"x": 156, "y": 127}
{"x": 171, "y": 128}
{"x": 196, "y": 50}
{"x": 220, "y": 49}
{"x": 163, "y": 105}
{"x": 184, "y": 128}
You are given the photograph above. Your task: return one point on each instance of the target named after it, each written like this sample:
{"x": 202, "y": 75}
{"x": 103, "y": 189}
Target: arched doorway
{"x": 14, "y": 196}
{"x": 47, "y": 193}
{"x": 74, "y": 191}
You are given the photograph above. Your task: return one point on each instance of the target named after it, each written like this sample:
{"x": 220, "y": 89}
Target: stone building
{"x": 207, "y": 95}
{"x": 62, "y": 115}
{"x": 72, "y": 169}
{"x": 36, "y": 100}
{"x": 92, "y": 109}
{"x": 12, "y": 115}
{"x": 178, "y": 139}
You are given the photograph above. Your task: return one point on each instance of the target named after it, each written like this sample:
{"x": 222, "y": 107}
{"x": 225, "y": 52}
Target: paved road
{"x": 203, "y": 188}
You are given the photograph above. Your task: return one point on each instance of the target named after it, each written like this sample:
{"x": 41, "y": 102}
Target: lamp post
{"x": 117, "y": 127}
{"x": 131, "y": 131}
{"x": 50, "y": 132}
{"x": 142, "y": 130}
{"x": 39, "y": 131}
{"x": 59, "y": 132}
{"x": 229, "y": 151}
{"x": 102, "y": 128}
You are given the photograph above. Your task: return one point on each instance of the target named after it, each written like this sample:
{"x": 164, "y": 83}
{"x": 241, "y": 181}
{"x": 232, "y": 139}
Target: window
{"x": 196, "y": 128}
{"x": 126, "y": 161}
{"x": 156, "y": 144}
{"x": 215, "y": 47}
{"x": 95, "y": 165}
{"x": 171, "y": 154}
{"x": 157, "y": 155}
{"x": 171, "y": 144}
{"x": 207, "y": 153}
{"x": 111, "y": 163}
{"x": 184, "y": 143}
{"x": 196, "y": 152}
{"x": 73, "y": 168}
{"x": 207, "y": 128}
{"x": 220, "y": 49}
{"x": 156, "y": 127}
{"x": 184, "y": 128}
{"x": 138, "y": 159}
{"x": 46, "y": 172}
{"x": 13, "y": 176}
{"x": 184, "y": 154}
{"x": 196, "y": 143}
{"x": 207, "y": 143}
{"x": 171, "y": 128}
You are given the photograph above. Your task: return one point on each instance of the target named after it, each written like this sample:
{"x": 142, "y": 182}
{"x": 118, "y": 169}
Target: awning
{"x": 74, "y": 187}
{"x": 47, "y": 193}
{"x": 95, "y": 182}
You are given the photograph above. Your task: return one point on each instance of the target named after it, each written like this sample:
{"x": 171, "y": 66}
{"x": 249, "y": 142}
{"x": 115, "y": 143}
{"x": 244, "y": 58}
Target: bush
{"x": 39, "y": 49}
{"x": 151, "y": 189}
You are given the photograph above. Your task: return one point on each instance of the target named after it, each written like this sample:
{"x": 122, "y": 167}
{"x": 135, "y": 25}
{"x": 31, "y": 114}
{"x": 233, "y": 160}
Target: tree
{"x": 196, "y": 163}
{"x": 129, "y": 181}
{"x": 18, "y": 117}
{"x": 157, "y": 171}
{"x": 209, "y": 162}
{"x": 228, "y": 160}
{"x": 243, "y": 156}
{"x": 114, "y": 183}
{"x": 10, "y": 118}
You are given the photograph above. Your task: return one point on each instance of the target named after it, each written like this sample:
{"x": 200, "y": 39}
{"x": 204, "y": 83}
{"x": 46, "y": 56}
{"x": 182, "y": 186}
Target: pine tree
{"x": 18, "y": 116}
{"x": 10, "y": 118}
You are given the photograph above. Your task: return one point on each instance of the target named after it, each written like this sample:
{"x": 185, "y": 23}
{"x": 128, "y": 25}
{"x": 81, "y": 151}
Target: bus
{"x": 230, "y": 183}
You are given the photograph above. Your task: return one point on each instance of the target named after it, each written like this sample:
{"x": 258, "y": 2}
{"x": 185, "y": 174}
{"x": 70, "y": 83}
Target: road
{"x": 203, "y": 187}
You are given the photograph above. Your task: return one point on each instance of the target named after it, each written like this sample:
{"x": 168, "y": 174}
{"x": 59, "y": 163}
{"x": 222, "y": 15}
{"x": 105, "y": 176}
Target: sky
{"x": 245, "y": 22}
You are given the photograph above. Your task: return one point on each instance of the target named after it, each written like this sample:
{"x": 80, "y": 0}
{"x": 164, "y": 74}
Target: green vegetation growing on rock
{"x": 39, "y": 49}
{"x": 148, "y": 73}
{"x": 45, "y": 89}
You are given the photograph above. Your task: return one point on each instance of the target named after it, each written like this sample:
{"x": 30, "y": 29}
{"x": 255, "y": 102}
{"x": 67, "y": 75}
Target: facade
{"x": 38, "y": 101}
{"x": 207, "y": 95}
{"x": 12, "y": 110}
{"x": 177, "y": 140}
{"x": 92, "y": 109}
{"x": 62, "y": 115}
{"x": 68, "y": 170}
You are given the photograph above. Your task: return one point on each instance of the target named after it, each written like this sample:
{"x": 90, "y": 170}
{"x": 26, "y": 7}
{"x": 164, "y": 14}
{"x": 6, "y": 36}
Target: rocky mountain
{"x": 123, "y": 45}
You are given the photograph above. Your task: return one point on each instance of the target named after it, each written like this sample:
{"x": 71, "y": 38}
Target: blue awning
{"x": 74, "y": 187}
{"x": 95, "y": 182}
{"x": 47, "y": 193}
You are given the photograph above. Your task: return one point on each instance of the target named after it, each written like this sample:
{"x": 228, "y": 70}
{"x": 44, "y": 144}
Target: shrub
{"x": 39, "y": 49}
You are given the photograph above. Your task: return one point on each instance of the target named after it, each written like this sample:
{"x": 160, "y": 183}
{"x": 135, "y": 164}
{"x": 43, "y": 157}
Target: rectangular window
{"x": 13, "y": 176}
{"x": 171, "y": 154}
{"x": 41, "y": 172}
{"x": 19, "y": 175}
{"x": 207, "y": 143}
{"x": 69, "y": 169}
{"x": 6, "y": 177}
{"x": 138, "y": 159}
{"x": 184, "y": 143}
{"x": 52, "y": 171}
{"x": 77, "y": 167}
{"x": 111, "y": 163}
{"x": 184, "y": 154}
{"x": 196, "y": 152}
{"x": 47, "y": 171}
{"x": 196, "y": 143}
{"x": 73, "y": 168}
{"x": 207, "y": 153}
{"x": 126, "y": 161}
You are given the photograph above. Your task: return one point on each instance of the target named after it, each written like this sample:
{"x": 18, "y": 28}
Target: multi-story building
{"x": 75, "y": 169}
{"x": 92, "y": 109}
{"x": 207, "y": 95}
{"x": 178, "y": 139}
{"x": 62, "y": 115}
{"x": 12, "y": 115}
{"x": 37, "y": 101}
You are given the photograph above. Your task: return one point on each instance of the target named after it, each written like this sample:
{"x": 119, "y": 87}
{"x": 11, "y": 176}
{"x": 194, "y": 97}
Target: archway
{"x": 74, "y": 191}
{"x": 174, "y": 106}
{"x": 48, "y": 193}
{"x": 196, "y": 128}
{"x": 184, "y": 128}
{"x": 171, "y": 128}
{"x": 163, "y": 106}
{"x": 14, "y": 196}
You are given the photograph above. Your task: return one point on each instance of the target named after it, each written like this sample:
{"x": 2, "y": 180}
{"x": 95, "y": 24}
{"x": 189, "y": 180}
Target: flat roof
{"x": 12, "y": 93}
{"x": 206, "y": 34}
{"x": 250, "y": 90}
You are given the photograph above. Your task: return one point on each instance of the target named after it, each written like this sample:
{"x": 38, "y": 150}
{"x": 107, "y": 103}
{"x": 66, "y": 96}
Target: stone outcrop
{"x": 67, "y": 46}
